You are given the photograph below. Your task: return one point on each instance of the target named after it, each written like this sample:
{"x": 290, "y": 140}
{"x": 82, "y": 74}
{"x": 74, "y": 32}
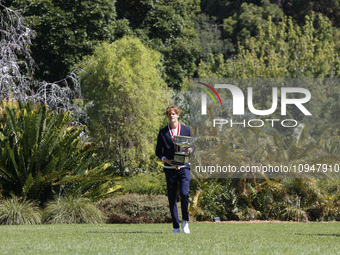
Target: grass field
{"x": 206, "y": 238}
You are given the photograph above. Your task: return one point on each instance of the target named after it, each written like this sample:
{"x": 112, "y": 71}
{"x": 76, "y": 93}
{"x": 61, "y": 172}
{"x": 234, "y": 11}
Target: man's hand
{"x": 169, "y": 161}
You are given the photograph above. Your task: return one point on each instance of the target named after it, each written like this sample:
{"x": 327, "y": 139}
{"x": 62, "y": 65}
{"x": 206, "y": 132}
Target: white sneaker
{"x": 176, "y": 230}
{"x": 185, "y": 227}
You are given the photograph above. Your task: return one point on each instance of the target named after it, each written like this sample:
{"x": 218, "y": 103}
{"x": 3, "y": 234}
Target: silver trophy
{"x": 181, "y": 157}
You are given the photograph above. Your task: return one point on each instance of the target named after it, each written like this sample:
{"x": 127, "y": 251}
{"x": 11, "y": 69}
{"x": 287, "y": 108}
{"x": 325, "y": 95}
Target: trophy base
{"x": 181, "y": 159}
{"x": 180, "y": 163}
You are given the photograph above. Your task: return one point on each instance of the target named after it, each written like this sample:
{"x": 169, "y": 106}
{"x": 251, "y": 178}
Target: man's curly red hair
{"x": 172, "y": 108}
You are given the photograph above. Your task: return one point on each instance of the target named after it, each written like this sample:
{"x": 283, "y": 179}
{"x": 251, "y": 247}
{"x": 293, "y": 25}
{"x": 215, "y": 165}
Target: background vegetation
{"x": 83, "y": 85}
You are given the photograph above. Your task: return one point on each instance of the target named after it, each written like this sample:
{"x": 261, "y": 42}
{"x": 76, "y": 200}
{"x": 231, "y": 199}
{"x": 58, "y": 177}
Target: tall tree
{"x": 299, "y": 9}
{"x": 168, "y": 27}
{"x": 66, "y": 30}
{"x": 239, "y": 20}
{"x": 210, "y": 38}
{"x": 286, "y": 50}
{"x": 17, "y": 67}
{"x": 329, "y": 8}
{"x": 244, "y": 23}
{"x": 125, "y": 86}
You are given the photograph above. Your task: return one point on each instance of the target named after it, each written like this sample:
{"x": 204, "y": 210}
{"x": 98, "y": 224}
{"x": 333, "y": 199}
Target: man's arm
{"x": 159, "y": 150}
{"x": 159, "y": 146}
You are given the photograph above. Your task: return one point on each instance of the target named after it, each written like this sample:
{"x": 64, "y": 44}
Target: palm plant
{"x": 38, "y": 148}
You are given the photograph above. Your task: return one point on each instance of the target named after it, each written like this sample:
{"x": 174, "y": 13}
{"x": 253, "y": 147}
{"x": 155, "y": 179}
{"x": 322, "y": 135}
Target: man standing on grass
{"x": 175, "y": 174}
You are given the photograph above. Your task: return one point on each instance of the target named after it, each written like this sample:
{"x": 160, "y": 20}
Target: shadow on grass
{"x": 335, "y": 235}
{"x": 124, "y": 232}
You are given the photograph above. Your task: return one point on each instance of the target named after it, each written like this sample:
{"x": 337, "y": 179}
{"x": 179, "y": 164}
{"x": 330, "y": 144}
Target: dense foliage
{"x": 182, "y": 31}
{"x": 132, "y": 52}
{"x": 297, "y": 199}
{"x": 38, "y": 148}
{"x": 166, "y": 26}
{"x": 66, "y": 30}
{"x": 151, "y": 184}
{"x": 285, "y": 50}
{"x": 127, "y": 93}
{"x": 17, "y": 67}
{"x": 133, "y": 208}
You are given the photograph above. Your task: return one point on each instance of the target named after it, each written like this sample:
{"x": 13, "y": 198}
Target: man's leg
{"x": 172, "y": 185}
{"x": 184, "y": 182}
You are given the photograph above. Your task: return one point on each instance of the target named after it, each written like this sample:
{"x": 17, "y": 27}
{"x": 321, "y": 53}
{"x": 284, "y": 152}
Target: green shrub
{"x": 145, "y": 184}
{"x": 134, "y": 208}
{"x": 69, "y": 210}
{"x": 18, "y": 211}
{"x": 119, "y": 80}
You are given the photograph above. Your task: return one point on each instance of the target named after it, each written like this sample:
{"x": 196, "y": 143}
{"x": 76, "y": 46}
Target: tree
{"x": 124, "y": 84}
{"x": 66, "y": 30}
{"x": 238, "y": 20}
{"x": 15, "y": 58}
{"x": 210, "y": 37}
{"x": 168, "y": 27}
{"x": 329, "y": 8}
{"x": 286, "y": 50}
{"x": 244, "y": 23}
{"x": 299, "y": 9}
{"x": 17, "y": 66}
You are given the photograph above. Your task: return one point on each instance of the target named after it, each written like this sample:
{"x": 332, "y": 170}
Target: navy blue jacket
{"x": 165, "y": 146}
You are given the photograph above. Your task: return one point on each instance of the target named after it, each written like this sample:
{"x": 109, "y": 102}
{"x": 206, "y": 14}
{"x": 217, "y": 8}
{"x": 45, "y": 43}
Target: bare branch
{"x": 17, "y": 68}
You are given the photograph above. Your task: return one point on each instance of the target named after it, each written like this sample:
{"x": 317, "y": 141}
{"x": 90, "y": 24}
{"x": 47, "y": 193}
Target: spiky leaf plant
{"x": 38, "y": 148}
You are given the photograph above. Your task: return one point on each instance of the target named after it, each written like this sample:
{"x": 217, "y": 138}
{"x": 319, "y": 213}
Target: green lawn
{"x": 206, "y": 238}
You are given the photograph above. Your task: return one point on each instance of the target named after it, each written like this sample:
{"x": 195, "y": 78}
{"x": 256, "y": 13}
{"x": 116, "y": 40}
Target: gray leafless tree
{"x": 17, "y": 68}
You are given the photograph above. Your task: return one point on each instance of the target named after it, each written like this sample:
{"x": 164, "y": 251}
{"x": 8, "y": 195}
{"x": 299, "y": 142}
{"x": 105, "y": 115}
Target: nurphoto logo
{"x": 264, "y": 128}
{"x": 238, "y": 102}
